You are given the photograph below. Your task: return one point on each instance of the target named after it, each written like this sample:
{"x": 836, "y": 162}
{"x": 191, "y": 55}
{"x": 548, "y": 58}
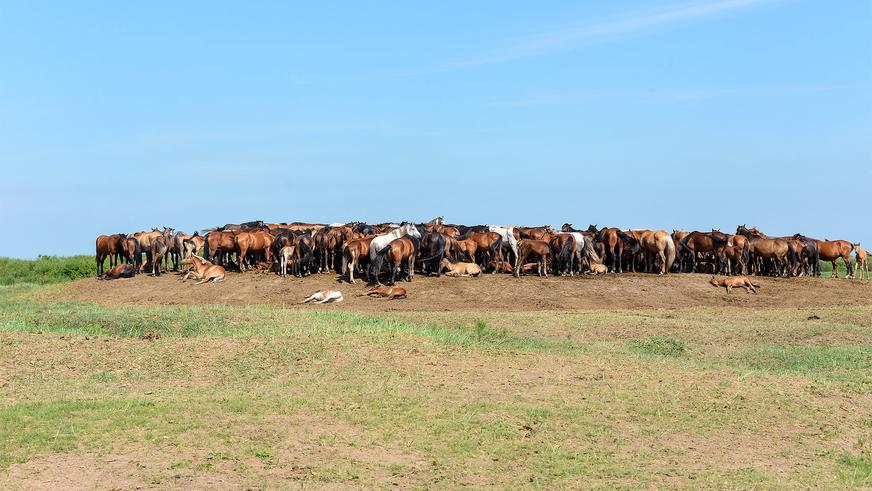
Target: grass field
{"x": 265, "y": 396}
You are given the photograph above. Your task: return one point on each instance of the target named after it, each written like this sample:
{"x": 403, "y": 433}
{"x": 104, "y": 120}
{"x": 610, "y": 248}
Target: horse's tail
{"x": 590, "y": 252}
{"x": 440, "y": 251}
{"x": 670, "y": 253}
{"x": 375, "y": 265}
{"x": 345, "y": 253}
{"x": 563, "y": 259}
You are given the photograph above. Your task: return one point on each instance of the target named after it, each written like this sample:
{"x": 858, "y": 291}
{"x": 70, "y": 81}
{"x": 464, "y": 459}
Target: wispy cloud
{"x": 573, "y": 36}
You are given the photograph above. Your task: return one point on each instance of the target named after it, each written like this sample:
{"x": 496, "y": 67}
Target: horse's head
{"x": 743, "y": 230}
{"x": 592, "y": 229}
{"x": 412, "y": 230}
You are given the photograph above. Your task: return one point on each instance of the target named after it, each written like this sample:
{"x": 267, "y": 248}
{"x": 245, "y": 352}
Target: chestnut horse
{"x": 540, "y": 248}
{"x": 353, "y": 253}
{"x": 832, "y": 250}
{"x": 777, "y": 250}
{"x": 108, "y": 246}
{"x": 397, "y": 251}
{"x": 203, "y": 270}
{"x": 254, "y": 243}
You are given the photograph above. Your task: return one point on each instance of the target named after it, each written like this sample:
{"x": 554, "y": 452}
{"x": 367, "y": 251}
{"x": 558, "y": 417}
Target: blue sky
{"x": 119, "y": 116}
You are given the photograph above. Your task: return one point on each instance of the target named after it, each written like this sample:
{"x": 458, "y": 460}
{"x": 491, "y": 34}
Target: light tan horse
{"x": 862, "y": 267}
{"x": 203, "y": 270}
{"x": 658, "y": 243}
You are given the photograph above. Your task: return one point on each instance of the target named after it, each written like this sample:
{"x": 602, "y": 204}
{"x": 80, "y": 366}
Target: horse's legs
{"x": 835, "y": 273}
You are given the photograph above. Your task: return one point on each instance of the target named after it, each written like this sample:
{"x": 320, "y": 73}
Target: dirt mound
{"x": 487, "y": 293}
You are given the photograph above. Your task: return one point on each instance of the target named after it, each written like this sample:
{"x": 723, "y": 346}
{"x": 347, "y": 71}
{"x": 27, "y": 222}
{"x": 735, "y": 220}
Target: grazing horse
{"x": 399, "y": 250}
{"x": 861, "y": 255}
{"x": 353, "y": 252}
{"x": 540, "y": 248}
{"x": 658, "y": 244}
{"x": 203, "y": 270}
{"x": 832, "y": 250}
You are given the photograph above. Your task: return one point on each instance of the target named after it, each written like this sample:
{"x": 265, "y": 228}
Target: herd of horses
{"x": 387, "y": 250}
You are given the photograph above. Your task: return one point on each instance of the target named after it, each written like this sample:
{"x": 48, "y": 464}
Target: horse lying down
{"x": 324, "y": 296}
{"x": 734, "y": 282}
{"x": 597, "y": 269}
{"x": 388, "y": 292}
{"x": 124, "y": 270}
{"x": 203, "y": 270}
{"x": 459, "y": 269}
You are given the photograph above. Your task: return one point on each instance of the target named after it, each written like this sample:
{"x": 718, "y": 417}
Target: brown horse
{"x": 540, "y": 248}
{"x": 122, "y": 270}
{"x": 258, "y": 242}
{"x": 613, "y": 242}
{"x": 107, "y": 246}
{"x": 466, "y": 246}
{"x": 219, "y": 245}
{"x": 832, "y": 250}
{"x": 353, "y": 253}
{"x": 397, "y": 251}
{"x": 777, "y": 250}
{"x": 483, "y": 245}
{"x": 861, "y": 256}
{"x": 388, "y": 292}
{"x": 697, "y": 243}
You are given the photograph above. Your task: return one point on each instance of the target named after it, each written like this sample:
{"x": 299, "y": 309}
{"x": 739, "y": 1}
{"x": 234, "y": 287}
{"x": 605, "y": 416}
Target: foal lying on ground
{"x": 389, "y": 292}
{"x": 735, "y": 282}
{"x": 324, "y": 296}
{"x": 203, "y": 270}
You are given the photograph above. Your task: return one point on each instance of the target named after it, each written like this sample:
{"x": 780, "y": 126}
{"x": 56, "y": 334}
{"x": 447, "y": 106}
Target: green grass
{"x": 642, "y": 398}
{"x": 46, "y": 269}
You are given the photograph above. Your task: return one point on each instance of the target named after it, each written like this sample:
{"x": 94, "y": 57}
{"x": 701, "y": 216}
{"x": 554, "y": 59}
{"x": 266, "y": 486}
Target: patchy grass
{"x": 658, "y": 346}
{"x": 261, "y": 396}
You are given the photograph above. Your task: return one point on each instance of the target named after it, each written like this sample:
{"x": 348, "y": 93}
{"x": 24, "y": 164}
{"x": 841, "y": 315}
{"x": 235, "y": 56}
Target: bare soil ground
{"x": 488, "y": 293}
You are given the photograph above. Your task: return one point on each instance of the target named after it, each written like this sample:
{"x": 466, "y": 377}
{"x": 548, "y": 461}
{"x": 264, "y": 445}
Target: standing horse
{"x": 861, "y": 255}
{"x": 696, "y": 243}
{"x": 832, "y": 250}
{"x": 540, "y": 248}
{"x": 353, "y": 252}
{"x": 107, "y": 246}
{"x": 658, "y": 244}
{"x": 380, "y": 242}
{"x": 399, "y": 250}
{"x": 507, "y": 234}
{"x": 777, "y": 250}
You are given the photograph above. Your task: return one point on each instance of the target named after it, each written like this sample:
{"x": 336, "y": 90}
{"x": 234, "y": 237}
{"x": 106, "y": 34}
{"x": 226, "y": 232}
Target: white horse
{"x": 508, "y": 235}
{"x": 382, "y": 241}
{"x": 584, "y": 248}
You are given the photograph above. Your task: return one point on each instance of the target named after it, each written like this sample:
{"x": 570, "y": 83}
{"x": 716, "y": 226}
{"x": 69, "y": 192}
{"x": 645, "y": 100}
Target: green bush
{"x": 46, "y": 269}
